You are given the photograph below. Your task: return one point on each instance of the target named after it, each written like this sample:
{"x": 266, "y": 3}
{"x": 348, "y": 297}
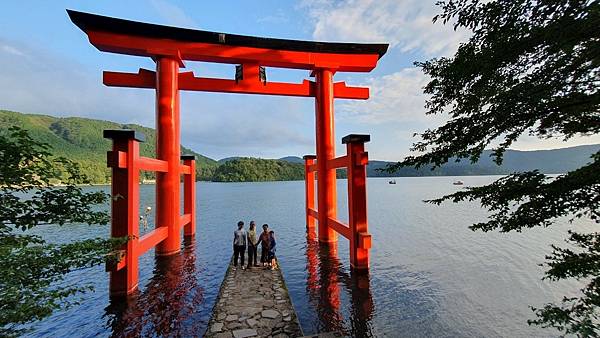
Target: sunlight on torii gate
{"x": 169, "y": 47}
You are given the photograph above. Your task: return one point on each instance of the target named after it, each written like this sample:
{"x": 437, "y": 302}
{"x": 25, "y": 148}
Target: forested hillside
{"x": 247, "y": 169}
{"x": 80, "y": 139}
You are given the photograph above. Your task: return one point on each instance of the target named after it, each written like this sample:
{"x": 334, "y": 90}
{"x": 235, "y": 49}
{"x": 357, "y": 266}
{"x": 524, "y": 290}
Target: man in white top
{"x": 239, "y": 244}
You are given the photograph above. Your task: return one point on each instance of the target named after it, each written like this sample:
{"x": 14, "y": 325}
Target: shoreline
{"x": 368, "y": 177}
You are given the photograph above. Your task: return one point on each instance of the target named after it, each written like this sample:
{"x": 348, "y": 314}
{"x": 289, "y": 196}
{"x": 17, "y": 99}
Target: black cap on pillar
{"x": 356, "y": 138}
{"x": 124, "y": 134}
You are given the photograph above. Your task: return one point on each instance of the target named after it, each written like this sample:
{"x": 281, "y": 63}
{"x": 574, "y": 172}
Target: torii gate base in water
{"x": 169, "y": 47}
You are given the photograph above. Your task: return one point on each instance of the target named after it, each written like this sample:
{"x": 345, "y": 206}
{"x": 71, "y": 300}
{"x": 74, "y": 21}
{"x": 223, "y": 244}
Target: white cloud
{"x": 404, "y": 24}
{"x": 396, "y": 110}
{"x": 279, "y": 17}
{"x": 396, "y": 97}
{"x": 527, "y": 142}
{"x": 173, "y": 15}
{"x": 48, "y": 84}
{"x": 11, "y": 50}
{"x": 232, "y": 125}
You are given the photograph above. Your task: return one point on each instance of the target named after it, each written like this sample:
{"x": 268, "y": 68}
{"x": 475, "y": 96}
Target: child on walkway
{"x": 239, "y": 244}
{"x": 272, "y": 257}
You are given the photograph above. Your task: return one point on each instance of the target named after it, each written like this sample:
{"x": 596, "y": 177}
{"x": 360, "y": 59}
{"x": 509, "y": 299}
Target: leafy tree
{"x": 529, "y": 67}
{"x": 31, "y": 269}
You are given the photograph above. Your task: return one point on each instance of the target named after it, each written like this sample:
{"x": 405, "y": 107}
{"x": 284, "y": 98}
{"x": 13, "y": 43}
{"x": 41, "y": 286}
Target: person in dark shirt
{"x": 265, "y": 243}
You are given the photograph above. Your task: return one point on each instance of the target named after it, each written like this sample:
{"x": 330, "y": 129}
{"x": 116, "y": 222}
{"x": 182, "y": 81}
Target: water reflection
{"x": 326, "y": 275}
{"x": 169, "y": 304}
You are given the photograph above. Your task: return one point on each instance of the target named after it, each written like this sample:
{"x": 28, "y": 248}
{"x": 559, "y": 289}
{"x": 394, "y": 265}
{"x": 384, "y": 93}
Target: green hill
{"x": 80, "y": 139}
{"x": 247, "y": 169}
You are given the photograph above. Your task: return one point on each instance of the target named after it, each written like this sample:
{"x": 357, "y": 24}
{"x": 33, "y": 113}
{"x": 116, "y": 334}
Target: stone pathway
{"x": 253, "y": 303}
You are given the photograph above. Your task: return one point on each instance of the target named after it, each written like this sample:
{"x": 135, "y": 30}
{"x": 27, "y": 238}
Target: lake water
{"x": 430, "y": 275}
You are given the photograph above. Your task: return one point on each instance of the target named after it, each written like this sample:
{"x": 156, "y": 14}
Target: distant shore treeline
{"x": 80, "y": 139}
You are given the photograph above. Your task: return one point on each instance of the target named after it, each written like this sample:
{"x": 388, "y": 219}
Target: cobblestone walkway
{"x": 253, "y": 303}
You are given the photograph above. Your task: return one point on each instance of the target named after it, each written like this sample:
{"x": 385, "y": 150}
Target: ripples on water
{"x": 430, "y": 276}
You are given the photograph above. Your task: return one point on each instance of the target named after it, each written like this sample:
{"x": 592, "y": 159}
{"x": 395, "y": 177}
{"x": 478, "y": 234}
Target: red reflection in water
{"x": 168, "y": 304}
{"x": 326, "y": 275}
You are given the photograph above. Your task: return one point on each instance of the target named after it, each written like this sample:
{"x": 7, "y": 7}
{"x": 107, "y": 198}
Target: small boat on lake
{"x": 392, "y": 182}
{"x": 459, "y": 182}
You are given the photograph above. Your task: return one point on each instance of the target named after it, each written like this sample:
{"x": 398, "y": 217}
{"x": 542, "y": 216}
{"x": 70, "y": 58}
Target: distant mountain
{"x": 547, "y": 161}
{"x": 553, "y": 161}
{"x": 227, "y": 159}
{"x": 292, "y": 159}
{"x": 80, "y": 139}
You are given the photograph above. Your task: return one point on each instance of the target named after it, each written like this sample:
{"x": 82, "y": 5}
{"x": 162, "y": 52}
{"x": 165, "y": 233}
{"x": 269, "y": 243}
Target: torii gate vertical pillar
{"x": 326, "y": 178}
{"x": 167, "y": 149}
{"x": 309, "y": 188}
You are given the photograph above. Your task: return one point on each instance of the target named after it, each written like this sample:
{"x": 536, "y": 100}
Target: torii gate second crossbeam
{"x": 170, "y": 47}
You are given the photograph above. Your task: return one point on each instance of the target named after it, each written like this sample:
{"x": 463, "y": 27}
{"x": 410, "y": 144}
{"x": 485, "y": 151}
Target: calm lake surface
{"x": 430, "y": 275}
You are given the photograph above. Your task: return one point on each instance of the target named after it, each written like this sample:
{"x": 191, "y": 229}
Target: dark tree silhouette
{"x": 38, "y": 189}
{"x": 529, "y": 67}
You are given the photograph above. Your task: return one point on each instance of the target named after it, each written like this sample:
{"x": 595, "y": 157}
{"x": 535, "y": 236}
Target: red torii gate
{"x": 169, "y": 47}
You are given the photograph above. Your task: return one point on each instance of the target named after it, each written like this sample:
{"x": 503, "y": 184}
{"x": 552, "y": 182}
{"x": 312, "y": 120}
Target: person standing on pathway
{"x": 265, "y": 243}
{"x": 239, "y": 244}
{"x": 252, "y": 243}
{"x": 272, "y": 248}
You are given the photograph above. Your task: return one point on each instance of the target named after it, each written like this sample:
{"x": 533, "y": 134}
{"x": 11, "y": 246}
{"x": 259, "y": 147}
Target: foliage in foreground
{"x": 31, "y": 269}
{"x": 529, "y": 67}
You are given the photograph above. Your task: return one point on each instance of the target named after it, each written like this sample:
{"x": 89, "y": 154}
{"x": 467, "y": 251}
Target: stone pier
{"x": 253, "y": 303}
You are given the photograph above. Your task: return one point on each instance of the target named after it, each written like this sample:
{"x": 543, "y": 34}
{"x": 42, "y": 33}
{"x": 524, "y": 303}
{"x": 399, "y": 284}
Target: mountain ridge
{"x": 550, "y": 161}
{"x": 80, "y": 139}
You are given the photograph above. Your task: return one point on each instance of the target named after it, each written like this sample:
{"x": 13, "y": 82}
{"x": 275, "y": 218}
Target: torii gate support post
{"x": 309, "y": 188}
{"x": 168, "y": 149}
{"x": 356, "y": 231}
{"x": 360, "y": 241}
{"x": 124, "y": 161}
{"x": 189, "y": 197}
{"x": 326, "y": 179}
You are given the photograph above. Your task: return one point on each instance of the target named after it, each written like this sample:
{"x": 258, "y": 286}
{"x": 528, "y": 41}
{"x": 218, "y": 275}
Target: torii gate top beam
{"x": 143, "y": 39}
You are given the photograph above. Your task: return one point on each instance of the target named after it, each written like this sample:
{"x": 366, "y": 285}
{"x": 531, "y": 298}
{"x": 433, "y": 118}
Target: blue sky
{"x": 49, "y": 67}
